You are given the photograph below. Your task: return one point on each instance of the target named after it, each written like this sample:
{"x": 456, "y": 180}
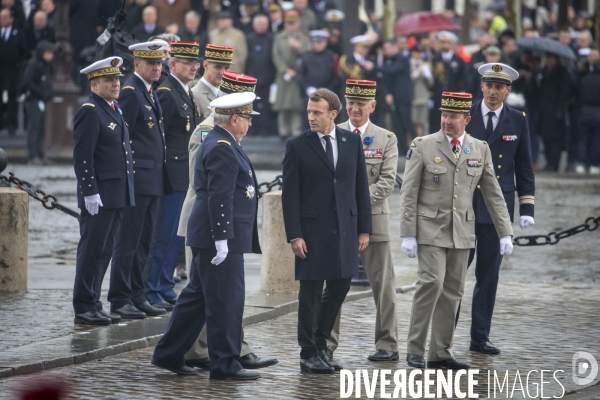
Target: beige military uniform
{"x": 381, "y": 158}
{"x": 199, "y": 348}
{"x": 437, "y": 208}
{"x": 203, "y": 95}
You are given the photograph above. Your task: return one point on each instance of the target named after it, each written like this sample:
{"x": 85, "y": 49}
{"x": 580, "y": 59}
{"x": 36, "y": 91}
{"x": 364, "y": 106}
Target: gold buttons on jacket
{"x": 455, "y": 196}
{"x": 478, "y": 187}
{"x": 499, "y": 166}
{"x": 497, "y": 176}
{"x": 500, "y": 156}
{"x": 455, "y": 183}
{"x": 177, "y": 158}
{"x": 456, "y": 169}
{"x": 453, "y": 208}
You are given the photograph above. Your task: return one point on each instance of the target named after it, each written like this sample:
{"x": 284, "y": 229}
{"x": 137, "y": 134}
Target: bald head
{"x": 150, "y": 15}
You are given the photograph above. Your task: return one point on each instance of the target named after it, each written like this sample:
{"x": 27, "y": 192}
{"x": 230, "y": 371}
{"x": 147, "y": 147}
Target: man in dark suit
{"x": 222, "y": 226}
{"x": 148, "y": 27}
{"x": 12, "y": 53}
{"x": 104, "y": 170}
{"x": 327, "y": 216}
{"x": 143, "y": 114}
{"x": 448, "y": 73}
{"x": 507, "y": 133}
{"x": 39, "y": 30}
{"x": 180, "y": 117}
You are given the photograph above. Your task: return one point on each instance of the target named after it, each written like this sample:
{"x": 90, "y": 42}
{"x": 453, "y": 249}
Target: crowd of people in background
{"x": 294, "y": 48}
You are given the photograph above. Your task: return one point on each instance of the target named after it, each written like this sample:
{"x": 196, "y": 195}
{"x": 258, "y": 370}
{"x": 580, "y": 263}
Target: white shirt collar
{"x": 362, "y": 128}
{"x": 460, "y": 139}
{"x": 485, "y": 110}
{"x": 183, "y": 85}
{"x": 148, "y": 86}
{"x": 358, "y": 57}
{"x": 215, "y": 90}
{"x": 331, "y": 134}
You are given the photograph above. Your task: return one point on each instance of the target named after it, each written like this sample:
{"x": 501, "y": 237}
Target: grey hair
{"x": 167, "y": 37}
{"x": 222, "y": 119}
{"x": 191, "y": 14}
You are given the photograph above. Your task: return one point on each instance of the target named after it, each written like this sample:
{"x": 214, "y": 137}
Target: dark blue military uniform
{"x": 103, "y": 165}
{"x": 511, "y": 153}
{"x": 225, "y": 209}
{"x": 143, "y": 114}
{"x": 180, "y": 118}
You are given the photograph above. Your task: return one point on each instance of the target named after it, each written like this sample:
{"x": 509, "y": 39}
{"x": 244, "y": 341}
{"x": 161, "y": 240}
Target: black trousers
{"x": 131, "y": 250}
{"x": 96, "y": 231}
{"x": 487, "y": 274}
{"x": 9, "y": 110}
{"x": 317, "y": 311}
{"x": 215, "y": 295}
{"x": 36, "y": 129}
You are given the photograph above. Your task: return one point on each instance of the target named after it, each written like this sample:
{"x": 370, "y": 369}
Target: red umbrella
{"x": 423, "y": 22}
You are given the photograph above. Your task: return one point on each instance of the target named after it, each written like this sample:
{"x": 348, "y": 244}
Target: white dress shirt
{"x": 460, "y": 139}
{"x": 362, "y": 129}
{"x": 183, "y": 85}
{"x": 148, "y": 86}
{"x": 215, "y": 90}
{"x": 359, "y": 59}
{"x": 334, "y": 146}
{"x": 6, "y": 33}
{"x": 495, "y": 118}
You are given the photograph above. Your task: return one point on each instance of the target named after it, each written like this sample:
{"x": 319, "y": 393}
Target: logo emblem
{"x": 150, "y": 125}
{"x": 154, "y": 47}
{"x": 467, "y": 150}
{"x": 148, "y": 107}
{"x": 112, "y": 126}
{"x": 437, "y": 160}
{"x": 114, "y": 62}
{"x": 184, "y": 106}
{"x": 496, "y": 68}
{"x": 250, "y": 192}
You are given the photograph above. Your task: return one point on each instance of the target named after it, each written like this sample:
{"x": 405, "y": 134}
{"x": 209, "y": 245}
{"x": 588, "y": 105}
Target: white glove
{"x": 92, "y": 203}
{"x": 310, "y": 90}
{"x": 506, "y": 246}
{"x": 409, "y": 246}
{"x": 222, "y": 251}
{"x": 526, "y": 221}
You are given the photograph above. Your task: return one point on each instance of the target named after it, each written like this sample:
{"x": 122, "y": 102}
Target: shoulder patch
{"x": 390, "y": 134}
{"x": 224, "y": 141}
{"x": 524, "y": 113}
{"x": 164, "y": 88}
{"x": 88, "y": 105}
{"x": 128, "y": 87}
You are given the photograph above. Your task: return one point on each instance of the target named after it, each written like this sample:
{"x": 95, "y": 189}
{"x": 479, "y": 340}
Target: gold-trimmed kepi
{"x": 151, "y": 51}
{"x": 498, "y": 72}
{"x": 218, "y": 54}
{"x": 181, "y": 49}
{"x": 104, "y": 68}
{"x": 291, "y": 16}
{"x": 235, "y": 103}
{"x": 361, "y": 89}
{"x": 235, "y": 82}
{"x": 459, "y": 102}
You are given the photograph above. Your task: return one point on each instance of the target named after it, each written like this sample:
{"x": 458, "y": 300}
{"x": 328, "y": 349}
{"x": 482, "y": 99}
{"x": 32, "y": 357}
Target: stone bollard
{"x": 14, "y": 219}
{"x": 277, "y": 269}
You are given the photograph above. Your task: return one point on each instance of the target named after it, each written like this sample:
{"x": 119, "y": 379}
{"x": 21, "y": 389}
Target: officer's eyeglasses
{"x": 189, "y": 64}
{"x": 248, "y": 118}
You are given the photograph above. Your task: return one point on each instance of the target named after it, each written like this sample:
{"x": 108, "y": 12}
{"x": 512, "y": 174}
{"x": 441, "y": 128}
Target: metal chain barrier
{"x": 590, "y": 224}
{"x": 269, "y": 186}
{"x": 48, "y": 200}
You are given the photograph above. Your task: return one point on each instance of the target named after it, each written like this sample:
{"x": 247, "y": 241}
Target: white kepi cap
{"x": 152, "y": 51}
{"x": 497, "y": 72}
{"x": 446, "y": 36}
{"x": 107, "y": 68}
{"x": 234, "y": 103}
{"x": 361, "y": 39}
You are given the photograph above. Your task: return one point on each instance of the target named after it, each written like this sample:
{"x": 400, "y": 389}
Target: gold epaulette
{"x": 88, "y": 105}
{"x": 224, "y": 141}
{"x": 209, "y": 125}
{"x": 128, "y": 87}
{"x": 164, "y": 88}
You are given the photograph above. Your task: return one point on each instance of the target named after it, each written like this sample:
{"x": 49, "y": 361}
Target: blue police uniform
{"x": 225, "y": 209}
{"x": 131, "y": 249}
{"x": 180, "y": 118}
{"x": 104, "y": 166}
{"x": 511, "y": 152}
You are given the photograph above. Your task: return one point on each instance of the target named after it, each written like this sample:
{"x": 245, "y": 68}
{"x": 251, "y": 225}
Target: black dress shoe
{"x": 150, "y": 310}
{"x": 315, "y": 365}
{"x": 384, "y": 355}
{"x": 324, "y": 355}
{"x": 92, "y": 318}
{"x": 171, "y": 301}
{"x": 185, "y": 370}
{"x": 484, "y": 347}
{"x": 450, "y": 363}
{"x": 415, "y": 361}
{"x": 241, "y": 375}
{"x": 252, "y": 361}
{"x": 202, "y": 363}
{"x": 114, "y": 318}
{"x": 164, "y": 304}
{"x": 130, "y": 312}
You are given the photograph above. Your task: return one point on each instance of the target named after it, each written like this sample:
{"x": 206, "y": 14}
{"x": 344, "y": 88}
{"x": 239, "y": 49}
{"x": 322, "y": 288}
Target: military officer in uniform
{"x": 506, "y": 131}
{"x": 197, "y": 356}
{"x": 381, "y": 156}
{"x": 217, "y": 59}
{"x": 222, "y": 226}
{"x": 356, "y": 65}
{"x": 180, "y": 118}
{"x": 443, "y": 170}
{"x": 103, "y": 166}
{"x": 143, "y": 114}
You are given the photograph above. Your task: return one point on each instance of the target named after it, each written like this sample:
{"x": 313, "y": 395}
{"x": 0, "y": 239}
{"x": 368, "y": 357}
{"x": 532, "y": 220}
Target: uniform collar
{"x": 148, "y": 86}
{"x": 183, "y": 85}
{"x": 461, "y": 139}
{"x": 213, "y": 89}
{"x": 362, "y": 128}
{"x": 331, "y": 134}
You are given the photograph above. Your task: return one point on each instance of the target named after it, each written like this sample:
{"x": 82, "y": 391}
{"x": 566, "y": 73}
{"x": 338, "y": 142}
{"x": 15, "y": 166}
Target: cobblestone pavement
{"x": 537, "y": 326}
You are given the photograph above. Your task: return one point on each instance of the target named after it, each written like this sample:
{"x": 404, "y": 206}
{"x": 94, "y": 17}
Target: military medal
{"x": 187, "y": 126}
{"x": 474, "y": 162}
{"x": 184, "y": 106}
{"x": 250, "y": 192}
{"x": 112, "y": 126}
{"x": 436, "y": 178}
{"x": 148, "y": 107}
{"x": 373, "y": 170}
{"x": 467, "y": 150}
{"x": 437, "y": 160}
{"x": 509, "y": 138}
{"x": 150, "y": 125}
